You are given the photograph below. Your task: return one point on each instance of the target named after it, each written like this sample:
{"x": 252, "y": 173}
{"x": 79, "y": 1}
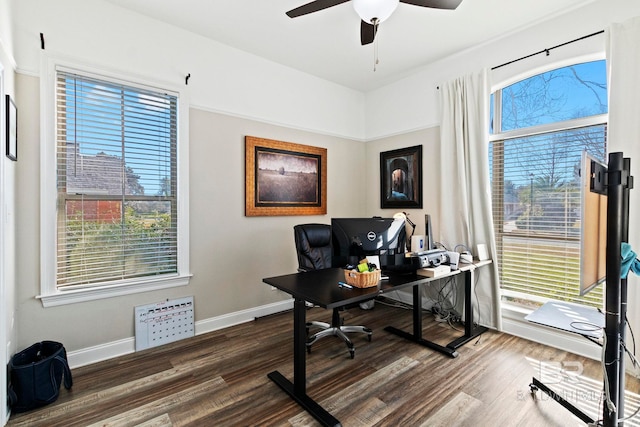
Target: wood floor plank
{"x": 459, "y": 408}
{"x": 151, "y": 410}
{"x": 220, "y": 379}
{"x": 130, "y": 387}
{"x": 346, "y": 400}
{"x": 160, "y": 421}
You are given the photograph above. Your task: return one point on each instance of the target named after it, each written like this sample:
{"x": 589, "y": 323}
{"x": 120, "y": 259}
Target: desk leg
{"x": 297, "y": 389}
{"x": 470, "y": 331}
{"x": 299, "y": 348}
{"x": 417, "y": 328}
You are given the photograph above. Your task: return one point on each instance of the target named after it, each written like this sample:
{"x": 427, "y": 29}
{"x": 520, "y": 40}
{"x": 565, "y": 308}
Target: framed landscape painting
{"x": 401, "y": 178}
{"x": 284, "y": 178}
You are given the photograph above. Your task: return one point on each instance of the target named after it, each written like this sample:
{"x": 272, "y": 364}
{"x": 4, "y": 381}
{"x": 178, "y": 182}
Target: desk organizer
{"x": 365, "y": 279}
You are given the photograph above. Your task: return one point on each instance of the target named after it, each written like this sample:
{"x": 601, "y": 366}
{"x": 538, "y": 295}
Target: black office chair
{"x": 313, "y": 245}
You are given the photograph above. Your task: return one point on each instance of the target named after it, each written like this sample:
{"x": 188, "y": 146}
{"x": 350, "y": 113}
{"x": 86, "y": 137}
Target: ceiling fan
{"x": 372, "y": 12}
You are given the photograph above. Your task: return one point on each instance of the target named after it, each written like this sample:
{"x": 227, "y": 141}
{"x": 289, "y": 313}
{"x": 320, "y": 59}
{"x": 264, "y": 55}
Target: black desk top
{"x": 312, "y": 286}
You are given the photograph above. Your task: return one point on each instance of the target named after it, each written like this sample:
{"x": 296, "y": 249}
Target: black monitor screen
{"x": 355, "y": 238}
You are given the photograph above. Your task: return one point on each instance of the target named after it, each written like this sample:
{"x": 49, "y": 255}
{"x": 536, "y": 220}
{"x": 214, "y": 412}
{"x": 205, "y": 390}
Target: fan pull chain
{"x": 376, "y": 61}
{"x": 375, "y": 55}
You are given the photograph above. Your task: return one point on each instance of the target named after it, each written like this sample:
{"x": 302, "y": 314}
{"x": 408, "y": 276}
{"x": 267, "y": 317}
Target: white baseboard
{"x": 98, "y": 353}
{"x": 238, "y": 317}
{"x": 513, "y": 323}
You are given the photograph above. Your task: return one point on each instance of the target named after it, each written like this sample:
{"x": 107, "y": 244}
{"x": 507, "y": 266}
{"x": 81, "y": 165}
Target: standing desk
{"x": 320, "y": 287}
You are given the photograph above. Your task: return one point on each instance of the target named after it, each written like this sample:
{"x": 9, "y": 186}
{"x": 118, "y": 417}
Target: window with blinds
{"x": 116, "y": 181}
{"x": 541, "y": 126}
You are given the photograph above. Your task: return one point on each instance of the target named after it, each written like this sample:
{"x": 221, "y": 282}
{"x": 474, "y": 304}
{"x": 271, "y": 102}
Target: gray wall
{"x": 230, "y": 253}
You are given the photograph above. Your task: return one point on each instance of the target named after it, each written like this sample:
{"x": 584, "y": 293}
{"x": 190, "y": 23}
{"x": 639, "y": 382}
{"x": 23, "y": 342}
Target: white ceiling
{"x": 327, "y": 43}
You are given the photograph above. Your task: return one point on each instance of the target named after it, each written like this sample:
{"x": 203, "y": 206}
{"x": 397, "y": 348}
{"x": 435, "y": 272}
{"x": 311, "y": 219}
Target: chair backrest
{"x": 313, "y": 245}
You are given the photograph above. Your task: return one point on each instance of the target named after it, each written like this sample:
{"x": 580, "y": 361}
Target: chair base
{"x": 337, "y": 331}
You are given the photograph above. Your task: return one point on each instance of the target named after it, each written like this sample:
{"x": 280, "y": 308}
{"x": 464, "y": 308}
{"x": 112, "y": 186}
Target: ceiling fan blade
{"x": 367, "y": 32}
{"x": 313, "y": 6}
{"x": 436, "y": 4}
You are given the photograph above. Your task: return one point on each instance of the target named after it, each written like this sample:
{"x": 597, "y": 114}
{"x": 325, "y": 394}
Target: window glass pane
{"x": 116, "y": 174}
{"x": 108, "y": 128}
{"x": 541, "y": 180}
{"x": 535, "y": 180}
{"x": 536, "y": 205}
{"x": 562, "y": 94}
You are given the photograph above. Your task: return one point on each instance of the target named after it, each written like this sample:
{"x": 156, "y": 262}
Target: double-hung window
{"x": 539, "y": 129}
{"x": 118, "y": 225}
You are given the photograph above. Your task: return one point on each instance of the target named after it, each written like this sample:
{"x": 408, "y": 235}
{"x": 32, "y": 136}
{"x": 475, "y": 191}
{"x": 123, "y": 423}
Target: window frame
{"x": 582, "y": 122}
{"x": 50, "y": 294}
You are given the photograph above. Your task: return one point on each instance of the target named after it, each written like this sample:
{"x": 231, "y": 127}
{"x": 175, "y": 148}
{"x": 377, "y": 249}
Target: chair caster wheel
{"x": 533, "y": 388}
{"x": 352, "y": 352}
{"x": 308, "y": 349}
{"x": 369, "y": 337}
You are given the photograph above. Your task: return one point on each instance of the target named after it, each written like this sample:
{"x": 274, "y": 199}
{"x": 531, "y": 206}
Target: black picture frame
{"x": 12, "y": 129}
{"x": 401, "y": 178}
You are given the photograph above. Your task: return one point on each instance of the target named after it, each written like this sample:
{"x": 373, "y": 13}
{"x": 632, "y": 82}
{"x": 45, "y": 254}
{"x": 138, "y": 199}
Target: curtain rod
{"x": 549, "y": 49}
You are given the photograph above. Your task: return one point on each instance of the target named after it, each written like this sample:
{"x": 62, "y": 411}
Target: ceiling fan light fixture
{"x": 375, "y": 11}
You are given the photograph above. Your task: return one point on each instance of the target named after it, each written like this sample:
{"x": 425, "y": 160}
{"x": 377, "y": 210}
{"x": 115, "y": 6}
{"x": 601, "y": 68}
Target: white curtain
{"x": 623, "y": 61}
{"x": 465, "y": 205}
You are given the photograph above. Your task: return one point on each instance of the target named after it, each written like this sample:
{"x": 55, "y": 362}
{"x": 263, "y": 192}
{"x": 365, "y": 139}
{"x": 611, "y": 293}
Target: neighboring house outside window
{"x": 119, "y": 227}
{"x": 539, "y": 129}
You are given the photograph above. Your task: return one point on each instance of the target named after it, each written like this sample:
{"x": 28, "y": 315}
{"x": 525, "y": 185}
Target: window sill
{"x": 514, "y": 323}
{"x": 77, "y": 295}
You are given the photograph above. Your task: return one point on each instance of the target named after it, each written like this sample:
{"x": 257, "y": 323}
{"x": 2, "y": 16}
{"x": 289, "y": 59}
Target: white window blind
{"x": 116, "y": 153}
{"x": 539, "y": 128}
{"x": 536, "y": 207}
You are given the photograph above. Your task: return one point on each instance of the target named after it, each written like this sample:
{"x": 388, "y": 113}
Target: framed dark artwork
{"x": 284, "y": 178}
{"x": 401, "y": 178}
{"x": 12, "y": 129}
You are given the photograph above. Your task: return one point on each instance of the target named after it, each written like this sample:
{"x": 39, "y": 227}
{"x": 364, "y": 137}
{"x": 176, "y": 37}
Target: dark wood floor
{"x": 220, "y": 379}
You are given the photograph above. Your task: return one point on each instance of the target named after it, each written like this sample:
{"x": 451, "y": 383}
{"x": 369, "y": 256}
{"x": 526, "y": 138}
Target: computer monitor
{"x": 355, "y": 238}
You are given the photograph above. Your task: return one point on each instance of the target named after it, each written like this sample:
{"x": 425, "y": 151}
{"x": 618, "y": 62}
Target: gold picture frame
{"x": 284, "y": 178}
